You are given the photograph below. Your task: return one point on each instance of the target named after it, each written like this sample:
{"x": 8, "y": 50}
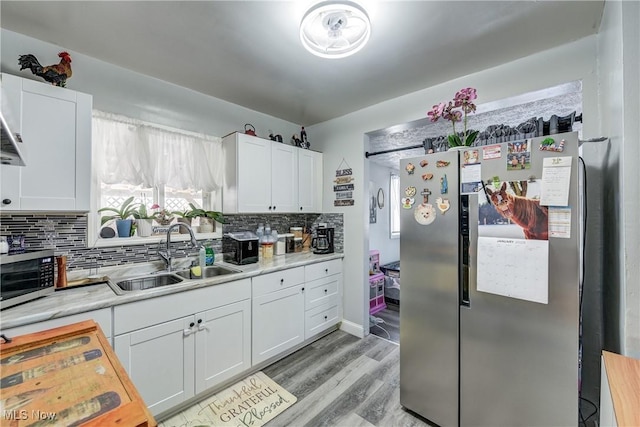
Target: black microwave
{"x": 25, "y": 276}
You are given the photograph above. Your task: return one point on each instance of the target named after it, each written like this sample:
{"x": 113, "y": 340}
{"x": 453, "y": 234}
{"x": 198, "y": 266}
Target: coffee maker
{"x": 323, "y": 242}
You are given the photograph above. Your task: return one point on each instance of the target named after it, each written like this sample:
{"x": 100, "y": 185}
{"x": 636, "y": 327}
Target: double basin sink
{"x": 155, "y": 280}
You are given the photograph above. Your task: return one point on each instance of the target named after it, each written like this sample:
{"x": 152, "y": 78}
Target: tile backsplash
{"x": 67, "y": 235}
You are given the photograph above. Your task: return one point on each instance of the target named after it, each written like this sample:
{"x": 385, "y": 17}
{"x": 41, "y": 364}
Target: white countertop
{"x": 72, "y": 301}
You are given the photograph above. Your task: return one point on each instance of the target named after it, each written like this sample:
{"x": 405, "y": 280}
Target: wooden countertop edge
{"x": 623, "y": 374}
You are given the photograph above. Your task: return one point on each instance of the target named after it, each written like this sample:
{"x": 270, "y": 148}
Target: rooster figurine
{"x": 56, "y": 74}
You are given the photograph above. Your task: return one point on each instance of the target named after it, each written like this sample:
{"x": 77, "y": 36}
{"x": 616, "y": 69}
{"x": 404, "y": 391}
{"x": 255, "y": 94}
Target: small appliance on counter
{"x": 240, "y": 248}
{"x": 323, "y": 242}
{"x": 25, "y": 277}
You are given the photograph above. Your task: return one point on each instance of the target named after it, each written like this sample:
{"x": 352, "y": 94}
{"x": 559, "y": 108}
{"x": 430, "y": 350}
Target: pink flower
{"x": 436, "y": 111}
{"x": 463, "y": 100}
{"x": 155, "y": 206}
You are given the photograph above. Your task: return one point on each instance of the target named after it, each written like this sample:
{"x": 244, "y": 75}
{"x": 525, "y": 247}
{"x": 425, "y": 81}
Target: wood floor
{"x": 389, "y": 328}
{"x": 341, "y": 380}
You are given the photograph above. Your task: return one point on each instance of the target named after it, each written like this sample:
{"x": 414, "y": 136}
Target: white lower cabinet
{"x": 278, "y": 313}
{"x": 323, "y": 297}
{"x": 160, "y": 360}
{"x": 172, "y": 361}
{"x": 223, "y": 344}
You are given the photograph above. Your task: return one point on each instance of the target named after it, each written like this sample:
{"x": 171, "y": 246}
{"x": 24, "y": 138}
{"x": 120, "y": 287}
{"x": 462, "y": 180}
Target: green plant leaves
{"x": 470, "y": 138}
{"x": 454, "y": 141}
{"x": 126, "y": 210}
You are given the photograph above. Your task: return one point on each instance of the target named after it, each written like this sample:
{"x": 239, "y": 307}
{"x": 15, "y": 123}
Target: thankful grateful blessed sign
{"x": 248, "y": 403}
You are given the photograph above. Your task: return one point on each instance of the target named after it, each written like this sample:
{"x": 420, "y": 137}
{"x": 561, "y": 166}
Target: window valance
{"x": 130, "y": 151}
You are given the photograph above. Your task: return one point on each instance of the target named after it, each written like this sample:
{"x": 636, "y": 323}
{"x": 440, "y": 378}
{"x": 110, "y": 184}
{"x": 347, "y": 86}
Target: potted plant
{"x": 121, "y": 216}
{"x": 144, "y": 221}
{"x": 208, "y": 219}
{"x": 463, "y": 100}
{"x": 163, "y": 216}
{"x": 184, "y": 217}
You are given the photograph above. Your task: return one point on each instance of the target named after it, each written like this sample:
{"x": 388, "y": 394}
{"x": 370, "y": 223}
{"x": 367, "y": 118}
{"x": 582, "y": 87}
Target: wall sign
{"x": 343, "y": 185}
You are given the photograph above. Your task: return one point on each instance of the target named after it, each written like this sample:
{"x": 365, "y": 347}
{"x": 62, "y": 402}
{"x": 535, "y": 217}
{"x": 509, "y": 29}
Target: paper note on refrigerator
{"x": 556, "y": 175}
{"x": 515, "y": 268}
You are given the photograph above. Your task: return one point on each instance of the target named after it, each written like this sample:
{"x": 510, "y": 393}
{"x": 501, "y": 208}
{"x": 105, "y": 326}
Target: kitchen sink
{"x": 207, "y": 272}
{"x": 149, "y": 282}
{"x": 156, "y": 280}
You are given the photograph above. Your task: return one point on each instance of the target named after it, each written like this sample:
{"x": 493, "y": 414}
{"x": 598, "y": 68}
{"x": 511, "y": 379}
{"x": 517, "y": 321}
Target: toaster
{"x": 240, "y": 247}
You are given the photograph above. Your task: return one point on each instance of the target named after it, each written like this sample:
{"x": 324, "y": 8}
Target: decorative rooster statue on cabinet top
{"x": 56, "y": 74}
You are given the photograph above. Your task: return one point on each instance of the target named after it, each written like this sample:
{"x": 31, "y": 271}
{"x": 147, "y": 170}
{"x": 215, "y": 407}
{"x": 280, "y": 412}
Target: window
{"x": 156, "y": 165}
{"x": 394, "y": 206}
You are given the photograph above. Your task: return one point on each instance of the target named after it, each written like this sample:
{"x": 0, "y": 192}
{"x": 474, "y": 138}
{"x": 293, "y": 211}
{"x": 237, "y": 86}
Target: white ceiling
{"x": 249, "y": 53}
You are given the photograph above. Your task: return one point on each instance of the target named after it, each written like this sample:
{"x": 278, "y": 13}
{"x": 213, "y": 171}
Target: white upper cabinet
{"x": 55, "y": 124}
{"x": 263, "y": 176}
{"x": 309, "y": 181}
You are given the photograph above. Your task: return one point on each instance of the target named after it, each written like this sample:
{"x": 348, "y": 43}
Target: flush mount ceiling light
{"x": 335, "y": 29}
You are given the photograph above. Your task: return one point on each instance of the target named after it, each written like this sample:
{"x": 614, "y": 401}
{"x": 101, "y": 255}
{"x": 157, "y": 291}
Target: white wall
{"x": 118, "y": 90}
{"x": 619, "y": 78}
{"x": 379, "y": 232}
{"x": 344, "y": 137}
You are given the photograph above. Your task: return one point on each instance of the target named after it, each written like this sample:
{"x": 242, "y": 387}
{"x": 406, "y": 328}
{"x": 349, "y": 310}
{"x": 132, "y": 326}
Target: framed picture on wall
{"x": 373, "y": 204}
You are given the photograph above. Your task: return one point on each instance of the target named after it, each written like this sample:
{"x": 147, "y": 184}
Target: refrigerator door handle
{"x": 464, "y": 248}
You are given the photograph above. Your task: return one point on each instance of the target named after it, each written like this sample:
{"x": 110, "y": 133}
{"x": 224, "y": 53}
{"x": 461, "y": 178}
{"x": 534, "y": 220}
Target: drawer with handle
{"x": 276, "y": 281}
{"x": 322, "y": 269}
{"x": 320, "y": 291}
{"x": 319, "y": 319}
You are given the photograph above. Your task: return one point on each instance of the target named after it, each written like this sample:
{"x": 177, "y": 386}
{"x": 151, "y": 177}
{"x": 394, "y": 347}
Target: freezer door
{"x": 519, "y": 359}
{"x": 429, "y": 290}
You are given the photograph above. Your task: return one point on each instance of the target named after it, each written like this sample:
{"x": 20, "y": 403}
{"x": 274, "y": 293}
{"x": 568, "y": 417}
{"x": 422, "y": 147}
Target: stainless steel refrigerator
{"x": 472, "y": 353}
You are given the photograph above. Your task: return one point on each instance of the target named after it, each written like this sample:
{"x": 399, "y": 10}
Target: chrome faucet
{"x": 166, "y": 254}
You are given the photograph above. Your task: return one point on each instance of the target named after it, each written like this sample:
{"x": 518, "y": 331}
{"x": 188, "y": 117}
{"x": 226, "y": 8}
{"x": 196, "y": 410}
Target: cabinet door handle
{"x": 269, "y": 207}
{"x": 199, "y": 321}
{"x": 325, "y": 317}
{"x": 325, "y": 291}
{"x": 274, "y": 208}
{"x": 326, "y": 270}
{"x": 281, "y": 282}
{"x": 302, "y": 289}
{"x": 300, "y": 207}
{"x": 6, "y": 201}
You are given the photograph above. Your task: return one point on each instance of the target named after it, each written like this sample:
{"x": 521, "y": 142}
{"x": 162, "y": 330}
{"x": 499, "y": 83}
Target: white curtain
{"x": 138, "y": 153}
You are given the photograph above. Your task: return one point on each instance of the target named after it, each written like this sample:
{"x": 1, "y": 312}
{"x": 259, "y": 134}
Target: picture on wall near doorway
{"x": 373, "y": 203}
{"x": 380, "y": 198}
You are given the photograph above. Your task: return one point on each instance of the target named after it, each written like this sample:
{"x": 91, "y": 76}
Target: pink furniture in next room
{"x": 376, "y": 284}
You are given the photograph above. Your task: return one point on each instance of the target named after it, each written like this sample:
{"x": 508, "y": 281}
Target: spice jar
{"x": 297, "y": 232}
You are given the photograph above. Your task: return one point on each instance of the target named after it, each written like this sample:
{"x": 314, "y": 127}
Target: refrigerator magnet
{"x": 408, "y": 202}
{"x": 423, "y": 163}
{"x": 410, "y": 168}
{"x": 443, "y": 204}
{"x": 444, "y": 184}
{"x": 442, "y": 164}
{"x": 549, "y": 144}
{"x": 410, "y": 191}
{"x": 424, "y": 213}
{"x": 427, "y": 176}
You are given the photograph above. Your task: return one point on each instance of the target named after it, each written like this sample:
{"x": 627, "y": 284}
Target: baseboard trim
{"x": 352, "y": 328}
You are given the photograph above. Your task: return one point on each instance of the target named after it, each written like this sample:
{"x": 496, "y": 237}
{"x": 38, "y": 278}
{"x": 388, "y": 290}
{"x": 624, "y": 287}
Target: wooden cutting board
{"x": 67, "y": 376}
